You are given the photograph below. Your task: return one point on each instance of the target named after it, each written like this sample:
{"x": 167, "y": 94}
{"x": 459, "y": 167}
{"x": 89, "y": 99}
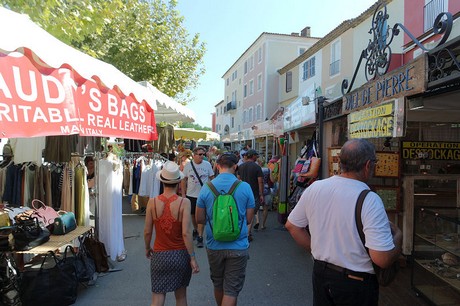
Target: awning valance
{"x": 198, "y": 135}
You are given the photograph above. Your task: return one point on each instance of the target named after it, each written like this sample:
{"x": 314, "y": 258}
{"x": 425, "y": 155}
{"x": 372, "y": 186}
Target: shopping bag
{"x": 53, "y": 284}
{"x": 98, "y": 253}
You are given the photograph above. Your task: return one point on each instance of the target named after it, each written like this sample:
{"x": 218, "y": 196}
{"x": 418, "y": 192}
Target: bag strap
{"x": 213, "y": 189}
{"x": 37, "y": 201}
{"x": 358, "y": 220}
{"x": 233, "y": 188}
{"x": 196, "y": 172}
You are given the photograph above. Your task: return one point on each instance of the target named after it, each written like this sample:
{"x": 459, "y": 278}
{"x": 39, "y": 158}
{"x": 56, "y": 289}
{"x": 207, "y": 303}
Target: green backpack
{"x": 225, "y": 216}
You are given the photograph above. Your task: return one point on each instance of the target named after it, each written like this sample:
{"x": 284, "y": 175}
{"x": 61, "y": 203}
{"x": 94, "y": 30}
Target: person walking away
{"x": 267, "y": 192}
{"x": 343, "y": 273}
{"x": 172, "y": 259}
{"x": 197, "y": 172}
{"x": 251, "y": 173}
{"x": 227, "y": 259}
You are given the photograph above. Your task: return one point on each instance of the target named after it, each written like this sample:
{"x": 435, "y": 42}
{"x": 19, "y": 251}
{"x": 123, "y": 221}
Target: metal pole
{"x": 321, "y": 100}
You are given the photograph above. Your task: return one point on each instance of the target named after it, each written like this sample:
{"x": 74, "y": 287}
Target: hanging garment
{"x": 28, "y": 149}
{"x": 110, "y": 178}
{"x": 80, "y": 190}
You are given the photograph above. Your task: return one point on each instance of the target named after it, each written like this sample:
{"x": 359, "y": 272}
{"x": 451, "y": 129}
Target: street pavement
{"x": 278, "y": 272}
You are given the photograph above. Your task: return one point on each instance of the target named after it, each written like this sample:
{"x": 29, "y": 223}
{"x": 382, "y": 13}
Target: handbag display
{"x": 65, "y": 223}
{"x": 384, "y": 276}
{"x": 53, "y": 284}
{"x": 29, "y": 234}
{"x": 44, "y": 214}
{"x": 98, "y": 253}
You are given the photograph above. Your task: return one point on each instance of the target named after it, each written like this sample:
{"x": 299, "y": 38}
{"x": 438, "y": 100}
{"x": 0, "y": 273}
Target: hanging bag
{"x": 9, "y": 281}
{"x": 53, "y": 284}
{"x": 44, "y": 214}
{"x": 84, "y": 265}
{"x": 384, "y": 276}
{"x": 97, "y": 252}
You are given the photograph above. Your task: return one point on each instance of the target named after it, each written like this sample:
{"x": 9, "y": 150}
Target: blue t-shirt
{"x": 244, "y": 200}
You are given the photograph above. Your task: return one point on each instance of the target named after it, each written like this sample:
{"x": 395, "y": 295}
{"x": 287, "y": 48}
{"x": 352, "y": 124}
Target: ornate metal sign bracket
{"x": 377, "y": 55}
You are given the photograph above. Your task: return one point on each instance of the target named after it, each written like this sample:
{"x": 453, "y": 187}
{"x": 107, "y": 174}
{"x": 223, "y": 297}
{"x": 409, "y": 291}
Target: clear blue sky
{"x": 229, "y": 27}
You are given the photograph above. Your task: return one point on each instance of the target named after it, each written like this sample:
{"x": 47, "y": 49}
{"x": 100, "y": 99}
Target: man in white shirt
{"x": 343, "y": 273}
{"x": 197, "y": 172}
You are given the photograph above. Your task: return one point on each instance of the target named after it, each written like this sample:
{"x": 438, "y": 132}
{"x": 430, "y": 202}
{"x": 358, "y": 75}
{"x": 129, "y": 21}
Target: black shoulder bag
{"x": 196, "y": 172}
{"x": 384, "y": 276}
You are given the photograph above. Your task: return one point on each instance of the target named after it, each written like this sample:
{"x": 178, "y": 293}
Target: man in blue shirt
{"x": 227, "y": 260}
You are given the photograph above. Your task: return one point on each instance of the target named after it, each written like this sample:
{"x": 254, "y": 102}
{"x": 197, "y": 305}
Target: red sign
{"x": 37, "y": 101}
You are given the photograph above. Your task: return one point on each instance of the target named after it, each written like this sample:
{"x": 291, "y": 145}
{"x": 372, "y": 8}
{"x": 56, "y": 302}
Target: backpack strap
{"x": 232, "y": 189}
{"x": 213, "y": 188}
{"x": 358, "y": 220}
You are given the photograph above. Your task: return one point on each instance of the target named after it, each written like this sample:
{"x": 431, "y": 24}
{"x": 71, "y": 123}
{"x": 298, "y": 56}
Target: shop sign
{"x": 44, "y": 101}
{"x": 404, "y": 81}
{"x": 378, "y": 121}
{"x": 297, "y": 115}
{"x": 431, "y": 150}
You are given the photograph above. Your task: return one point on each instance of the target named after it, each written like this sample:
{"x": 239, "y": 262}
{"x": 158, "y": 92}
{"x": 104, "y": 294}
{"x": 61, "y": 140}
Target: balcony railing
{"x": 431, "y": 11}
{"x": 231, "y": 105}
{"x": 334, "y": 68}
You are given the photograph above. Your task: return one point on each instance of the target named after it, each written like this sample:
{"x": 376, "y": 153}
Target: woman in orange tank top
{"x": 172, "y": 258}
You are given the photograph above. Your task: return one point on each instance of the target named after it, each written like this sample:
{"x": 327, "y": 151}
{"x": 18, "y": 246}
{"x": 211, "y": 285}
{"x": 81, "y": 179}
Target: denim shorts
{"x": 228, "y": 270}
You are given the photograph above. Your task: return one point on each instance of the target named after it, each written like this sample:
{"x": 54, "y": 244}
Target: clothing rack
{"x": 153, "y": 155}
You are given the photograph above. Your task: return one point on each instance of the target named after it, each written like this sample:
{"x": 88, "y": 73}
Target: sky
{"x": 229, "y": 27}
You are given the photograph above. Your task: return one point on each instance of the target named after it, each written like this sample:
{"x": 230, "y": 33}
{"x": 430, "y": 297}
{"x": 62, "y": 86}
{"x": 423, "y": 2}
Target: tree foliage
{"x": 145, "y": 39}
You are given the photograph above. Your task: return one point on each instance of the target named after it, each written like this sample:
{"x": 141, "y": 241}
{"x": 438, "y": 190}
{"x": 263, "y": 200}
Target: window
{"x": 250, "y": 115}
{"x": 217, "y": 112}
{"x": 234, "y": 96}
{"x": 260, "y": 55}
{"x": 245, "y": 67}
{"x": 259, "y": 82}
{"x": 234, "y": 75}
{"x": 309, "y": 68}
{"x": 251, "y": 63}
{"x": 228, "y": 81}
{"x": 251, "y": 87}
{"x": 335, "y": 58}
{"x": 233, "y": 122}
{"x": 431, "y": 10}
{"x": 302, "y": 51}
{"x": 259, "y": 112}
{"x": 245, "y": 116}
{"x": 245, "y": 90}
{"x": 288, "y": 81}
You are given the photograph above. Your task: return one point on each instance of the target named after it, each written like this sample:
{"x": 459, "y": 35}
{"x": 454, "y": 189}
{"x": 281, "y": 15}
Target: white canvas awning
{"x": 168, "y": 110}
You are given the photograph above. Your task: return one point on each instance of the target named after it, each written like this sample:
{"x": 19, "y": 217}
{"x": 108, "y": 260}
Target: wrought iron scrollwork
{"x": 378, "y": 52}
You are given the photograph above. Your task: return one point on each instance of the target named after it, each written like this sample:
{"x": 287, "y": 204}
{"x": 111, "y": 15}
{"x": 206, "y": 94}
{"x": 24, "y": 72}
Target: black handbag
{"x": 384, "y": 276}
{"x": 53, "y": 284}
{"x": 84, "y": 265}
{"x": 29, "y": 234}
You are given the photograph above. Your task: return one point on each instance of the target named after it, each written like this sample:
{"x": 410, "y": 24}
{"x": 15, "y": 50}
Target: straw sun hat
{"x": 170, "y": 174}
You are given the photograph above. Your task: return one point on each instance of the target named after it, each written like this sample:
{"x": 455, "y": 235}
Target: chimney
{"x": 305, "y": 32}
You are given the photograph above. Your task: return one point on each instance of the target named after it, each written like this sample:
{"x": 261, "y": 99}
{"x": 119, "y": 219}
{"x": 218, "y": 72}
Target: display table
{"x": 57, "y": 241}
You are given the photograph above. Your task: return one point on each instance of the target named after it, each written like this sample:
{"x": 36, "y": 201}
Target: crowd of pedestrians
{"x": 322, "y": 222}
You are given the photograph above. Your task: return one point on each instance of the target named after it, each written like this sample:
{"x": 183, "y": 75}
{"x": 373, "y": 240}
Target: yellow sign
{"x": 431, "y": 150}
{"x": 372, "y": 122}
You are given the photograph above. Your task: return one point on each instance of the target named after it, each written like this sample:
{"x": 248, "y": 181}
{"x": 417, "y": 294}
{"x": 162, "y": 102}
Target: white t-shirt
{"x": 328, "y": 208}
{"x": 204, "y": 169}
